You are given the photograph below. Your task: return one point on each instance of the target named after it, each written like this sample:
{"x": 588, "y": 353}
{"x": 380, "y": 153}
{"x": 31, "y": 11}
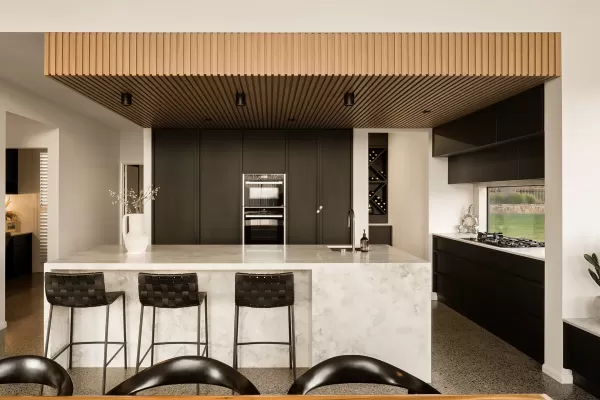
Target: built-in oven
{"x": 264, "y": 209}
{"x": 264, "y": 226}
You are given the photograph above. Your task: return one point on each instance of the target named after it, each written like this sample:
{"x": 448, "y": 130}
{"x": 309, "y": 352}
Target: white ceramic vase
{"x": 136, "y": 240}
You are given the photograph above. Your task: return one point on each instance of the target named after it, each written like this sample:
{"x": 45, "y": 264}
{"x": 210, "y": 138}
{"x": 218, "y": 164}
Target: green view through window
{"x": 517, "y": 211}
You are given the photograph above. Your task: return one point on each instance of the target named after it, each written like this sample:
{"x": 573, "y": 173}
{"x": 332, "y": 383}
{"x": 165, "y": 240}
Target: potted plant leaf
{"x": 593, "y": 259}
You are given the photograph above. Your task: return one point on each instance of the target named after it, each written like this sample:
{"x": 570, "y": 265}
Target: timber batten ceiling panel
{"x": 298, "y": 79}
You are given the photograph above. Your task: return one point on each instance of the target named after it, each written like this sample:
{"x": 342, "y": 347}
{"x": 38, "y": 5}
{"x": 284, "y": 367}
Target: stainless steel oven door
{"x": 264, "y": 226}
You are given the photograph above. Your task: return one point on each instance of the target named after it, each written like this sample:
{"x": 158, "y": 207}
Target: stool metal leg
{"x": 152, "y": 340}
{"x": 206, "y": 322}
{"x": 198, "y": 340}
{"x": 124, "y": 334}
{"x": 105, "y": 350}
{"x": 290, "y": 335}
{"x": 72, "y": 323}
{"x": 293, "y": 342}
{"x": 137, "y": 359}
{"x": 48, "y": 331}
{"x": 235, "y": 337}
{"x": 47, "y": 340}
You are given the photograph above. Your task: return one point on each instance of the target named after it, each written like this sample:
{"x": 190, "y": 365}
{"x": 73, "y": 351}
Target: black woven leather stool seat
{"x": 78, "y": 290}
{"x": 83, "y": 290}
{"x": 264, "y": 290}
{"x": 169, "y": 290}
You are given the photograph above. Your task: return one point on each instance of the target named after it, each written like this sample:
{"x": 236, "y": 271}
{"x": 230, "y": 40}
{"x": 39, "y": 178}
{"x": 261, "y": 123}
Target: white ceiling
{"x": 22, "y": 63}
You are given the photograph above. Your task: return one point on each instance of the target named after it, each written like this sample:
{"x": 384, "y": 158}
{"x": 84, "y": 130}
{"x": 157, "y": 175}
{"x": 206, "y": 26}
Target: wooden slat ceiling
{"x": 400, "y": 80}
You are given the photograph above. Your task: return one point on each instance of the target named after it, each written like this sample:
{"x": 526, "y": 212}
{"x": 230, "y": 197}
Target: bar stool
{"x": 83, "y": 291}
{"x": 170, "y": 291}
{"x": 265, "y": 291}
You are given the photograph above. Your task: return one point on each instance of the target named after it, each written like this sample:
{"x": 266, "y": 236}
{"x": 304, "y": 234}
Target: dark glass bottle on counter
{"x": 364, "y": 242}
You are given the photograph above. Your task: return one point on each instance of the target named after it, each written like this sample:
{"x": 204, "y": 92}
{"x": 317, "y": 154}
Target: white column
{"x": 360, "y": 182}
{"x": 2, "y": 208}
{"x": 553, "y": 332}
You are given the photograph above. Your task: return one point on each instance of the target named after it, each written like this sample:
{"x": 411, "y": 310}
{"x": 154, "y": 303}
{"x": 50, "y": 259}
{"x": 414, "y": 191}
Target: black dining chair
{"x": 186, "y": 370}
{"x": 358, "y": 369}
{"x": 36, "y": 369}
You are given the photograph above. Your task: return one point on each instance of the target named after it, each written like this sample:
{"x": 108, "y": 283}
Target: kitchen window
{"x": 517, "y": 211}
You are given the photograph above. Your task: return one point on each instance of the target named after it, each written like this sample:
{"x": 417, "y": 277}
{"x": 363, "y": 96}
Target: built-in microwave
{"x": 264, "y": 211}
{"x": 264, "y": 190}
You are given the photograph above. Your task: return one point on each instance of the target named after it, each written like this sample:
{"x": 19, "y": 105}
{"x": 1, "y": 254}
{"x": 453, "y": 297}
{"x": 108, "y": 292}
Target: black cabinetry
{"x": 19, "y": 252}
{"x": 220, "y": 187}
{"x": 199, "y": 173}
{"x": 264, "y": 152}
{"x": 521, "y": 115}
{"x": 502, "y": 292}
{"x": 515, "y": 118}
{"x": 319, "y": 179}
{"x": 511, "y": 161}
{"x": 581, "y": 355}
{"x": 12, "y": 171}
{"x": 378, "y": 172}
{"x": 176, "y": 172}
{"x": 380, "y": 234}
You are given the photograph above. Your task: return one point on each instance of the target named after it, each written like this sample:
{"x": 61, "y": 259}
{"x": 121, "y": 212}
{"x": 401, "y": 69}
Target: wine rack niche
{"x": 378, "y": 172}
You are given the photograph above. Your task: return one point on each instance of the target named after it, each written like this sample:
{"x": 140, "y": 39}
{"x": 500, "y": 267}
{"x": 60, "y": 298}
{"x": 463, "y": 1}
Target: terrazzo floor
{"x": 466, "y": 358}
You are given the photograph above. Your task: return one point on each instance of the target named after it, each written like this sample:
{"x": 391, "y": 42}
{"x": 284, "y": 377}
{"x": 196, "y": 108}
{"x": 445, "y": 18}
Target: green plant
{"x": 529, "y": 199}
{"x": 593, "y": 259}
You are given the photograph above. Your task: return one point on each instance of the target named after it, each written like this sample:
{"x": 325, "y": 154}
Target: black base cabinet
{"x": 581, "y": 355}
{"x": 502, "y": 292}
{"x": 19, "y": 252}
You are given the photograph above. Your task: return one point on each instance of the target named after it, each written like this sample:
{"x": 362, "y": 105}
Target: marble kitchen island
{"x": 376, "y": 303}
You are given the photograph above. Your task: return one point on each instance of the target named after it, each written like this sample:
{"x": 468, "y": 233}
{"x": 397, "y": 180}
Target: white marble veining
{"x": 376, "y": 304}
{"x": 537, "y": 253}
{"x": 590, "y": 325}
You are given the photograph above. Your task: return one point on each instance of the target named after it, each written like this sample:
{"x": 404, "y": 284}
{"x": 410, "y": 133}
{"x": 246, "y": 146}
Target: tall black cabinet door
{"x": 335, "y": 185}
{"x": 175, "y": 172}
{"x": 264, "y": 152}
{"x": 221, "y": 187}
{"x": 302, "y": 178}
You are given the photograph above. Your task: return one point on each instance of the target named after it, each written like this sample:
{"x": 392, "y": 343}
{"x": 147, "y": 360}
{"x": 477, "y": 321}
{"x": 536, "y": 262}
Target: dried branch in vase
{"x": 133, "y": 202}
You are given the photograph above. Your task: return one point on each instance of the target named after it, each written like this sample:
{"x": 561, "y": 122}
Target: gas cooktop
{"x": 499, "y": 240}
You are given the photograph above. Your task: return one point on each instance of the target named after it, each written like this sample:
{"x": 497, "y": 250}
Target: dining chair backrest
{"x": 358, "y": 369}
{"x": 36, "y": 369}
{"x": 186, "y": 370}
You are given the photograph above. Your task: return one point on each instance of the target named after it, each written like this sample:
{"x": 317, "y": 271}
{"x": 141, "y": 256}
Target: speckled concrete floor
{"x": 466, "y": 359}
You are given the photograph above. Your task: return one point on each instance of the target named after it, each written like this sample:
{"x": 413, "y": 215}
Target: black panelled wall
{"x": 199, "y": 173}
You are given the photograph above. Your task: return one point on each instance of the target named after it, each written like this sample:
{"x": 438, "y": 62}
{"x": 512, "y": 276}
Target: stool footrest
{"x": 244, "y": 343}
{"x": 65, "y": 347}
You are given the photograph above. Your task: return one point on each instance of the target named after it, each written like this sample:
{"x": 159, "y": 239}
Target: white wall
{"x": 80, "y": 212}
{"x": 132, "y": 147}
{"x": 360, "y": 182}
{"x": 408, "y": 190}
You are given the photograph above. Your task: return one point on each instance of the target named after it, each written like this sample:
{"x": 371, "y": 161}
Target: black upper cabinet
{"x": 221, "y": 187}
{"x": 335, "y": 185}
{"x": 521, "y": 115}
{"x": 176, "y": 171}
{"x": 531, "y": 158}
{"x": 302, "y": 178}
{"x": 264, "y": 152}
{"x": 514, "y": 118}
{"x": 466, "y": 133}
{"x": 493, "y": 164}
{"x": 12, "y": 171}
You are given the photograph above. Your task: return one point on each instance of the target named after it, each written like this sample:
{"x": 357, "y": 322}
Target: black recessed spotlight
{"x": 126, "y": 99}
{"x": 349, "y": 99}
{"x": 426, "y": 111}
{"x": 208, "y": 119}
{"x": 291, "y": 119}
{"x": 240, "y": 99}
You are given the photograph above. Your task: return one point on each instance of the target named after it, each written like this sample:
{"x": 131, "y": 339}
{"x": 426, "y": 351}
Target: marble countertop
{"x": 590, "y": 325}
{"x": 537, "y": 253}
{"x": 303, "y": 257}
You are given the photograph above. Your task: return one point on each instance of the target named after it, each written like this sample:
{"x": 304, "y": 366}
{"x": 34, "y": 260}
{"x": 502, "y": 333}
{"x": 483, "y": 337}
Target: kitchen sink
{"x": 342, "y": 248}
